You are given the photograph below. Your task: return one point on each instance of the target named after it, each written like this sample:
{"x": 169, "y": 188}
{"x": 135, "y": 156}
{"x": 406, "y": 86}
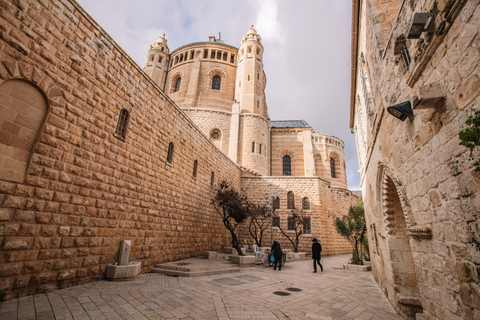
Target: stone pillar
{"x": 124, "y": 252}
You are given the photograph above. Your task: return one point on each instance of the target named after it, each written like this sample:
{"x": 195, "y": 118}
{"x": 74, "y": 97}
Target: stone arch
{"x": 27, "y": 95}
{"x": 217, "y": 72}
{"x": 398, "y": 241}
{"x": 173, "y": 82}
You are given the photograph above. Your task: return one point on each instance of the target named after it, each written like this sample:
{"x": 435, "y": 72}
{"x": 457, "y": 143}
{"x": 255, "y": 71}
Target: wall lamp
{"x": 401, "y": 111}
{"x": 421, "y": 22}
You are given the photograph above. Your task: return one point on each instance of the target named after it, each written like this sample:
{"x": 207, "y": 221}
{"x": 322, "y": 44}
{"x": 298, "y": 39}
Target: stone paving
{"x": 248, "y": 294}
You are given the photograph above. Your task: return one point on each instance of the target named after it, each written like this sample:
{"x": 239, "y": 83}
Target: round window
{"x": 215, "y": 135}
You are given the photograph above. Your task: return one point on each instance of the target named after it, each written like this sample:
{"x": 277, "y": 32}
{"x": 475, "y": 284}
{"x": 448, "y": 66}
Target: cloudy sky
{"x": 306, "y": 42}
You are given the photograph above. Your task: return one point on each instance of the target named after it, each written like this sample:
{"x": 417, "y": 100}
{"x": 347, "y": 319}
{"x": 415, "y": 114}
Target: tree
{"x": 259, "y": 221}
{"x": 353, "y": 227}
{"x": 295, "y": 223}
{"x": 470, "y": 136}
{"x": 232, "y": 207}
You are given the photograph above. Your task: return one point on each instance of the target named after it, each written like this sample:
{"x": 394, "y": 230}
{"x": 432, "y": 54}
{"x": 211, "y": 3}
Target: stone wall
{"x": 325, "y": 202}
{"x": 82, "y": 188}
{"x": 419, "y": 185}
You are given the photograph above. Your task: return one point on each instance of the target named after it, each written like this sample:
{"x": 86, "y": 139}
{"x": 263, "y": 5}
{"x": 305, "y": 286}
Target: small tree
{"x": 353, "y": 227}
{"x": 259, "y": 221}
{"x": 232, "y": 207}
{"x": 470, "y": 136}
{"x": 296, "y": 223}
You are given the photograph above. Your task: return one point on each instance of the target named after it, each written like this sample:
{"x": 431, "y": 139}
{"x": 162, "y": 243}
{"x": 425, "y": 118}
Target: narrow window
{"x": 258, "y": 76}
{"x": 276, "y": 204}
{"x": 248, "y": 77}
{"x": 290, "y": 200}
{"x": 181, "y": 58}
{"x": 192, "y": 54}
{"x": 291, "y": 224}
{"x": 122, "y": 123}
{"x": 177, "y": 85}
{"x": 286, "y": 166}
{"x": 159, "y": 59}
{"x": 212, "y": 179}
{"x": 212, "y": 54}
{"x": 232, "y": 59}
{"x": 170, "y": 153}
{"x": 216, "y": 81}
{"x": 225, "y": 56}
{"x": 205, "y": 54}
{"x": 219, "y": 55}
{"x": 276, "y": 221}
{"x": 253, "y": 147}
{"x": 258, "y": 104}
{"x": 195, "y": 163}
{"x": 306, "y": 203}
{"x": 332, "y": 167}
{"x": 307, "y": 226}
{"x": 260, "y": 149}
{"x": 151, "y": 59}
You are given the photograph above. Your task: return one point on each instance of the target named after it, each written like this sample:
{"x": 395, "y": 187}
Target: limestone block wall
{"x": 324, "y": 203}
{"x": 254, "y": 144}
{"x": 197, "y": 64}
{"x": 86, "y": 188}
{"x": 287, "y": 142}
{"x": 210, "y": 121}
{"x": 420, "y": 188}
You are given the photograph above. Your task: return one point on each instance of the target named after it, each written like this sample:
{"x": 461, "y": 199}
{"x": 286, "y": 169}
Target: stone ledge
{"x": 295, "y": 256}
{"x": 126, "y": 272}
{"x": 356, "y": 267}
{"x": 243, "y": 261}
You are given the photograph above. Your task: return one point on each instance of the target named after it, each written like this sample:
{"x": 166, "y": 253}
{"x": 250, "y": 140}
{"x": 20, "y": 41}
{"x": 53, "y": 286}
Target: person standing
{"x": 277, "y": 254}
{"x": 316, "y": 256}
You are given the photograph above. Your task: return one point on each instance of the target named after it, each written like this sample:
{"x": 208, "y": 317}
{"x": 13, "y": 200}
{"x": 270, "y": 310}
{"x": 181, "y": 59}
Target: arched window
{"x": 170, "y": 152}
{"x": 307, "y": 226}
{"x": 195, "y": 163}
{"x": 290, "y": 200}
{"x": 332, "y": 167}
{"x": 253, "y": 147}
{"x": 287, "y": 171}
{"x": 122, "y": 123}
{"x": 305, "y": 204}
{"x": 212, "y": 179}
{"x": 216, "y": 81}
{"x": 177, "y": 85}
{"x": 276, "y": 203}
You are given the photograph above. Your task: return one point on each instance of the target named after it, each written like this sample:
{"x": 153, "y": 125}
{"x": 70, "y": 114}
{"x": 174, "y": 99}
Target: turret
{"x": 157, "y": 61}
{"x": 250, "y": 95}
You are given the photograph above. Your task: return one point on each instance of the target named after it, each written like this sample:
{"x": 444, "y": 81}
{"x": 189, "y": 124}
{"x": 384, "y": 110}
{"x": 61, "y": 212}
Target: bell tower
{"x": 157, "y": 61}
{"x": 254, "y": 141}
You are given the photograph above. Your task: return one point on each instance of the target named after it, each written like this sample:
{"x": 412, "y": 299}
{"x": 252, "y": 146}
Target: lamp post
{"x": 267, "y": 200}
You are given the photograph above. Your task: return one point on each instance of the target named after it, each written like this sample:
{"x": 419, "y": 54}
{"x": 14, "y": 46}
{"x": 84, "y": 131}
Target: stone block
{"x": 243, "y": 261}
{"x": 127, "y": 272}
{"x": 124, "y": 252}
{"x": 209, "y": 254}
{"x": 354, "y": 267}
{"x": 296, "y": 256}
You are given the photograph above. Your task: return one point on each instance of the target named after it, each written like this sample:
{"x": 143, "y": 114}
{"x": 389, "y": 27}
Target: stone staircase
{"x": 196, "y": 267}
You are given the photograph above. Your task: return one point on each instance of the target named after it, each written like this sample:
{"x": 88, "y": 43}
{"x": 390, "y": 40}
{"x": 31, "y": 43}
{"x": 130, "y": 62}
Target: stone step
{"x": 196, "y": 273}
{"x": 192, "y": 267}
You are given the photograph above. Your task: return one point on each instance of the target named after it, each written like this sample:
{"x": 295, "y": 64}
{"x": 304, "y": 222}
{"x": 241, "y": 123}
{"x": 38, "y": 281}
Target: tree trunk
{"x": 235, "y": 243}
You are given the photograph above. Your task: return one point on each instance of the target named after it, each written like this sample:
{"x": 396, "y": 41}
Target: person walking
{"x": 277, "y": 254}
{"x": 316, "y": 256}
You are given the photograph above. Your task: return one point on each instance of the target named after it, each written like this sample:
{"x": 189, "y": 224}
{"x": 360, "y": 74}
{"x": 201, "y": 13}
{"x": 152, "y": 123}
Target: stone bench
{"x": 243, "y": 261}
{"x": 356, "y": 267}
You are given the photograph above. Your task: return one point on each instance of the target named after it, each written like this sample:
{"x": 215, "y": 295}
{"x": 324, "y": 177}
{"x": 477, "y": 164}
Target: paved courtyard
{"x": 248, "y": 294}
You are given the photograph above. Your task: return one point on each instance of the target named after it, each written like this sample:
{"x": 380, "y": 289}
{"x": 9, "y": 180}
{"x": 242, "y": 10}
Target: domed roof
{"x": 161, "y": 40}
{"x": 252, "y": 35}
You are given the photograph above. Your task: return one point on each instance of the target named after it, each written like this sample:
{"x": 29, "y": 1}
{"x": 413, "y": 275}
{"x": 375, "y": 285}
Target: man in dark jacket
{"x": 316, "y": 249}
{"x": 277, "y": 254}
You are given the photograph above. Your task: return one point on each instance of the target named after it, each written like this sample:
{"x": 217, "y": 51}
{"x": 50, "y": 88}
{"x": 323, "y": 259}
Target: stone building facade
{"x": 420, "y": 190}
{"x": 94, "y": 150}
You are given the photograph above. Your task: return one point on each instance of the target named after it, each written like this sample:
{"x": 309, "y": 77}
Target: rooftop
{"x": 282, "y": 124}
